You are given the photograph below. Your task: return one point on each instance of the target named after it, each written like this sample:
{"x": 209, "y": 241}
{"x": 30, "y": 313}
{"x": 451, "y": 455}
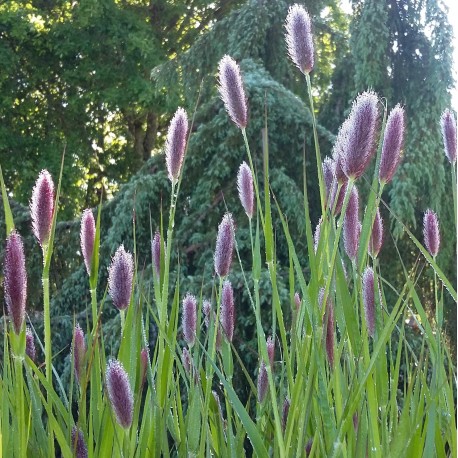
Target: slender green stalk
{"x": 19, "y": 386}
{"x": 454, "y": 191}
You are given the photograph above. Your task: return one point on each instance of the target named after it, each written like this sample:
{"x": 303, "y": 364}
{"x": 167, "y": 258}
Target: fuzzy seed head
{"x": 285, "y": 412}
{"x": 369, "y": 300}
{"x": 120, "y": 393}
{"x": 227, "y": 313}
{"x": 245, "y": 187}
{"x": 232, "y": 92}
{"x": 448, "y": 127}
{"x": 189, "y": 319}
{"x": 299, "y": 38}
{"x": 175, "y": 145}
{"x": 356, "y": 138}
{"x": 78, "y": 443}
{"x": 316, "y": 235}
{"x": 87, "y": 237}
{"x": 352, "y": 226}
{"x": 393, "y": 141}
{"x": 329, "y": 174}
{"x": 297, "y": 300}
{"x": 15, "y": 281}
{"x": 207, "y": 311}
{"x": 156, "y": 253}
{"x": 144, "y": 361}
{"x": 271, "y": 350}
{"x": 224, "y": 245}
{"x": 263, "y": 382}
{"x": 376, "y": 240}
{"x": 30, "y": 350}
{"x": 42, "y": 207}
{"x": 186, "y": 360}
{"x": 329, "y": 325}
{"x": 78, "y": 351}
{"x": 431, "y": 232}
{"x": 120, "y": 276}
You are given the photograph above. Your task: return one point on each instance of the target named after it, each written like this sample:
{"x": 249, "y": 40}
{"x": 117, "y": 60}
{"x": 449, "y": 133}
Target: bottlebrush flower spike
{"x": 271, "y": 351}
{"x": 297, "y": 300}
{"x": 227, "y": 313}
{"x": 120, "y": 393}
{"x": 189, "y": 319}
{"x": 431, "y": 232}
{"x": 393, "y": 141}
{"x": 358, "y": 135}
{"x": 285, "y": 412}
{"x": 120, "y": 276}
{"x": 78, "y": 443}
{"x": 144, "y": 361}
{"x": 232, "y": 92}
{"x": 352, "y": 225}
{"x": 329, "y": 326}
{"x": 376, "y": 240}
{"x": 245, "y": 187}
{"x": 224, "y": 245}
{"x": 30, "y": 350}
{"x": 369, "y": 300}
{"x": 448, "y": 127}
{"x": 186, "y": 360}
{"x": 15, "y": 281}
{"x": 207, "y": 310}
{"x": 329, "y": 175}
{"x": 299, "y": 38}
{"x": 316, "y": 235}
{"x": 263, "y": 382}
{"x": 156, "y": 253}
{"x": 78, "y": 351}
{"x": 42, "y": 207}
{"x": 87, "y": 237}
{"x": 175, "y": 145}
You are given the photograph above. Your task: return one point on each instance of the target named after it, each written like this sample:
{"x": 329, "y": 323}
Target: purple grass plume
{"x": 156, "y": 253}
{"x": 186, "y": 360}
{"x": 207, "y": 311}
{"x": 329, "y": 173}
{"x": 78, "y": 352}
{"x": 120, "y": 393}
{"x": 355, "y": 144}
{"x": 15, "y": 280}
{"x": 329, "y": 326}
{"x": 369, "y": 300}
{"x": 87, "y": 238}
{"x": 285, "y": 412}
{"x": 297, "y": 300}
{"x": 224, "y": 245}
{"x": 42, "y": 207}
{"x": 120, "y": 276}
{"x": 376, "y": 240}
{"x": 271, "y": 350}
{"x": 232, "y": 92}
{"x": 263, "y": 382}
{"x": 189, "y": 319}
{"x": 448, "y": 127}
{"x": 393, "y": 141}
{"x": 175, "y": 145}
{"x": 227, "y": 313}
{"x": 352, "y": 226}
{"x": 78, "y": 443}
{"x": 316, "y": 235}
{"x": 299, "y": 38}
{"x": 431, "y": 232}
{"x": 30, "y": 350}
{"x": 245, "y": 187}
{"x": 144, "y": 361}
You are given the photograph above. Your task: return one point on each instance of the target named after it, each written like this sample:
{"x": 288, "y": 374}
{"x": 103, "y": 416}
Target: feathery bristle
{"x": 352, "y": 226}
{"x": 227, "y": 313}
{"x": 431, "y": 232}
{"x": 78, "y": 351}
{"x": 175, "y": 145}
{"x": 369, "y": 300}
{"x": 120, "y": 277}
{"x": 87, "y": 237}
{"x": 30, "y": 344}
{"x": 189, "y": 319}
{"x": 224, "y": 246}
{"x": 448, "y": 127}
{"x": 42, "y": 207}
{"x": 245, "y": 188}
{"x": 78, "y": 443}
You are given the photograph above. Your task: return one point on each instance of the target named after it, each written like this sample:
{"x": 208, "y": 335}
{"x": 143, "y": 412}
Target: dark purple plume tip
{"x": 120, "y": 393}
{"x": 42, "y": 207}
{"x": 431, "y": 232}
{"x": 299, "y": 38}
{"x": 144, "y": 361}
{"x": 285, "y": 412}
{"x": 271, "y": 350}
{"x": 263, "y": 382}
{"x": 358, "y": 134}
{"x": 369, "y": 300}
{"x": 227, "y": 313}
{"x": 120, "y": 276}
{"x": 87, "y": 237}
{"x": 352, "y": 226}
{"x": 393, "y": 141}
{"x": 30, "y": 350}
{"x": 189, "y": 319}
{"x": 316, "y": 235}
{"x": 78, "y": 443}
{"x": 15, "y": 281}
{"x": 208, "y": 312}
{"x": 232, "y": 92}
{"x": 245, "y": 187}
{"x": 186, "y": 360}
{"x": 329, "y": 326}
{"x": 376, "y": 240}
{"x": 448, "y": 127}
{"x": 224, "y": 245}
{"x": 78, "y": 351}
{"x": 156, "y": 253}
{"x": 175, "y": 145}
